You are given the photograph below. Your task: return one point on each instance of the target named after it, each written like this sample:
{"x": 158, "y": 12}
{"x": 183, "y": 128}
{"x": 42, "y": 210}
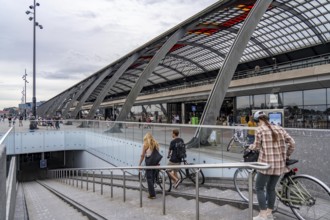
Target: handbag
{"x": 250, "y": 155}
{"x": 154, "y": 158}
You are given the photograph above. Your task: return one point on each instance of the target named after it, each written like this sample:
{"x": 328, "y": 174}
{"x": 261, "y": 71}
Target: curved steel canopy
{"x": 287, "y": 25}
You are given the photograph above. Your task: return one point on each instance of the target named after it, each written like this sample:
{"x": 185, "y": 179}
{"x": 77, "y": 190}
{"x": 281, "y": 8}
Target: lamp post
{"x": 35, "y": 24}
{"x": 25, "y": 81}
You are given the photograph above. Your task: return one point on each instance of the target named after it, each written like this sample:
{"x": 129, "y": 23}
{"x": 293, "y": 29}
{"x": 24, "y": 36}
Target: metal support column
{"x": 89, "y": 91}
{"x": 77, "y": 95}
{"x": 56, "y": 104}
{"x": 227, "y": 70}
{"x": 183, "y": 113}
{"x": 161, "y": 53}
{"x": 111, "y": 82}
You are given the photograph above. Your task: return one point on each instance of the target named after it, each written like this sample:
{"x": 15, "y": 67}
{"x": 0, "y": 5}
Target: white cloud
{"x": 79, "y": 38}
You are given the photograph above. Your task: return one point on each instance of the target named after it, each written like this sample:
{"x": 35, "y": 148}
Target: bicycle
{"x": 190, "y": 173}
{"x": 158, "y": 180}
{"x": 238, "y": 137}
{"x": 306, "y": 196}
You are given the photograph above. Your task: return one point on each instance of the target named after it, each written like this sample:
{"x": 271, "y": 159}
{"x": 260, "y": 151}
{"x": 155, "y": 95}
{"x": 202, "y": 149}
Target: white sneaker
{"x": 270, "y": 217}
{"x": 259, "y": 218}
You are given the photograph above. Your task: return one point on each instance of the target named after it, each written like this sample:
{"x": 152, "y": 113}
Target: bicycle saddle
{"x": 291, "y": 161}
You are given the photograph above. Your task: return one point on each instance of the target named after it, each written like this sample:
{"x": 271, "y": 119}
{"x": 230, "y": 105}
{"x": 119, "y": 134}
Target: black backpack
{"x": 180, "y": 150}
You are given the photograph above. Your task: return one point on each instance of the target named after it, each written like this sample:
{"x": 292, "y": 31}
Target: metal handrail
{"x": 5, "y": 136}
{"x": 63, "y": 174}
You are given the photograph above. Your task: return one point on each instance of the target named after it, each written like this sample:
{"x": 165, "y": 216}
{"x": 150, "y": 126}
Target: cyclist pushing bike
{"x": 176, "y": 154}
{"x": 270, "y": 141}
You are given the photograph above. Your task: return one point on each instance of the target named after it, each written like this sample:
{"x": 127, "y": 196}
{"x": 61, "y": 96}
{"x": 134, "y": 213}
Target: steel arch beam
{"x": 159, "y": 75}
{"x": 63, "y": 100}
{"x": 52, "y": 105}
{"x": 186, "y": 59}
{"x": 161, "y": 53}
{"x": 136, "y": 76}
{"x": 119, "y": 88}
{"x": 45, "y": 107}
{"x": 77, "y": 95}
{"x": 254, "y": 40}
{"x": 194, "y": 44}
{"x": 56, "y": 104}
{"x": 128, "y": 80}
{"x": 301, "y": 17}
{"x": 227, "y": 70}
{"x": 123, "y": 84}
{"x": 173, "y": 69}
{"x": 89, "y": 91}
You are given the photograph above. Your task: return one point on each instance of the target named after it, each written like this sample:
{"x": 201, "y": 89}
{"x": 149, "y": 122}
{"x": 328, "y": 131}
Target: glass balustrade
{"x": 120, "y": 143}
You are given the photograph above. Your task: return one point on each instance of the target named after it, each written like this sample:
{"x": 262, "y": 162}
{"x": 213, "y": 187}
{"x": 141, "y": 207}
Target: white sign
{"x": 273, "y": 99}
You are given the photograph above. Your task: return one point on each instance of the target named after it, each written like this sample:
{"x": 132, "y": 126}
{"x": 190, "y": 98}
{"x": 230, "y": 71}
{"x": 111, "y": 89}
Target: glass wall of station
{"x": 149, "y": 113}
{"x": 302, "y": 109}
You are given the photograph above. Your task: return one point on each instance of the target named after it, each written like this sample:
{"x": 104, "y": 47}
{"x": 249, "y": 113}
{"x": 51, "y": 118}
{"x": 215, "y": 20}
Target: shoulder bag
{"x": 154, "y": 158}
{"x": 250, "y": 155}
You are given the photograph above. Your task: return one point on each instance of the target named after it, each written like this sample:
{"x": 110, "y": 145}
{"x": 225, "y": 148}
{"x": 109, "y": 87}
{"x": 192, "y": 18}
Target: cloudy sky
{"x": 79, "y": 38}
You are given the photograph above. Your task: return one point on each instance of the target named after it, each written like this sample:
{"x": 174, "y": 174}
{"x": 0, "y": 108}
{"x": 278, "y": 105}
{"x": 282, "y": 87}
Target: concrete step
{"x": 44, "y": 205}
{"x": 115, "y": 208}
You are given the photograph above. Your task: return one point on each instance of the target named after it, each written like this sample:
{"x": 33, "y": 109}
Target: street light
{"x": 25, "y": 81}
{"x": 35, "y": 24}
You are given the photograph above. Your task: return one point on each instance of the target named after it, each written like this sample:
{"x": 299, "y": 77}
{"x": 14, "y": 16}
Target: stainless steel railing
{"x": 64, "y": 175}
{"x": 7, "y": 184}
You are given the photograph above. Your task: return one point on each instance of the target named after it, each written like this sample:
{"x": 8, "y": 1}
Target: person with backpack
{"x": 176, "y": 154}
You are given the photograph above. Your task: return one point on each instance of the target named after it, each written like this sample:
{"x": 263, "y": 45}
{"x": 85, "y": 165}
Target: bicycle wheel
{"x": 191, "y": 173}
{"x": 241, "y": 182}
{"x": 308, "y": 198}
{"x": 144, "y": 179}
{"x": 168, "y": 182}
{"x": 230, "y": 144}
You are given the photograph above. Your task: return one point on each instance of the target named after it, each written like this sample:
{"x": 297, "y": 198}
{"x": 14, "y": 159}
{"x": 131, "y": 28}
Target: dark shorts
{"x": 171, "y": 163}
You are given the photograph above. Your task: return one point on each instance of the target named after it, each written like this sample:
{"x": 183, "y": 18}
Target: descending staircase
{"x": 42, "y": 204}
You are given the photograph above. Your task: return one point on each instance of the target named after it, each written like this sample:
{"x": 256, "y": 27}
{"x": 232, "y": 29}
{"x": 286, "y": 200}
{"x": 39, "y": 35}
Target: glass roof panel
{"x": 286, "y": 26}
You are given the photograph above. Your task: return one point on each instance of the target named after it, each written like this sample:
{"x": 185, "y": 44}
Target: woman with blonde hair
{"x": 149, "y": 145}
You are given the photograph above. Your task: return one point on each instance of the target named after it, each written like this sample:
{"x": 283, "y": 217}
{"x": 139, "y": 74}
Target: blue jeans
{"x": 151, "y": 176}
{"x": 266, "y": 200}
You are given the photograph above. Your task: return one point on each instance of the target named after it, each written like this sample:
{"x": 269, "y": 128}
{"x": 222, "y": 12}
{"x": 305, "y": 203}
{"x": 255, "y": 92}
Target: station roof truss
{"x": 287, "y": 25}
